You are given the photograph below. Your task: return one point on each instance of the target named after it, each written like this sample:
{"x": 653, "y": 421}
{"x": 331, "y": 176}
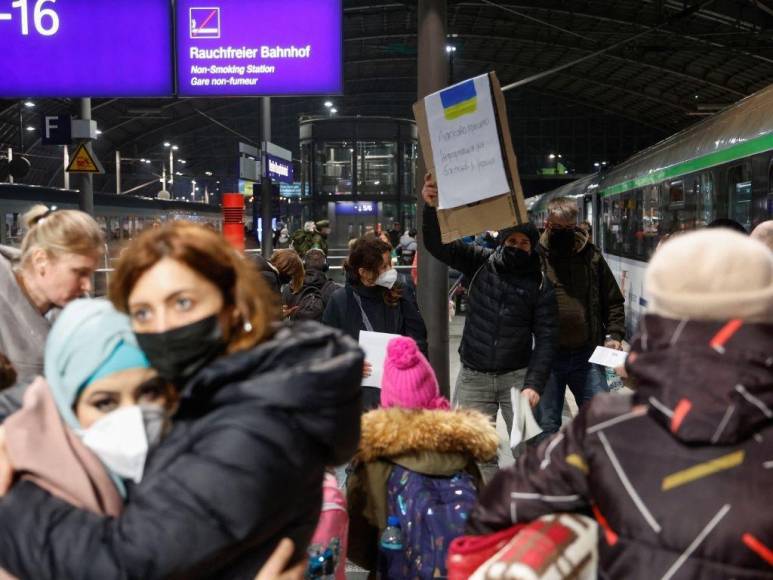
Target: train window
{"x": 742, "y": 204}
{"x": 614, "y": 208}
{"x": 676, "y": 192}
{"x": 650, "y": 221}
{"x": 705, "y": 198}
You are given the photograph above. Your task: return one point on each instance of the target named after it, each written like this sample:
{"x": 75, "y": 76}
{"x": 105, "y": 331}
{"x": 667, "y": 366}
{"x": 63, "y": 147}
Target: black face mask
{"x": 179, "y": 353}
{"x": 562, "y": 241}
{"x": 515, "y": 258}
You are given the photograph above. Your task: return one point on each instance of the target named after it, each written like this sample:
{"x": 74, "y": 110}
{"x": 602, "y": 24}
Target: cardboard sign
{"x": 375, "y": 346}
{"x": 468, "y": 160}
{"x": 494, "y": 213}
{"x": 608, "y": 357}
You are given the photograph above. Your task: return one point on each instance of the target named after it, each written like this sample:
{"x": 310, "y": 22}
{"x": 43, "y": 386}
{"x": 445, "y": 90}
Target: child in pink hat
{"x": 409, "y": 381}
{"x": 416, "y": 454}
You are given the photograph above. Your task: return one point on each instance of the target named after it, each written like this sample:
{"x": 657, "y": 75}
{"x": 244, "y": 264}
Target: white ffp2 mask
{"x": 387, "y": 279}
{"x": 120, "y": 442}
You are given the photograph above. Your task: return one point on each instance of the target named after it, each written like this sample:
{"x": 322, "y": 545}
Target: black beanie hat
{"x": 529, "y": 229}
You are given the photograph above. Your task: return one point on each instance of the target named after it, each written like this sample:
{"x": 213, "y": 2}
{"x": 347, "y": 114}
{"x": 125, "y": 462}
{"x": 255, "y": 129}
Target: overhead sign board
{"x": 83, "y": 48}
{"x": 261, "y": 47}
{"x": 83, "y": 161}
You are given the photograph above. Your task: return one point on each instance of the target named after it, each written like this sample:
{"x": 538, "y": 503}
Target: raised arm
{"x": 460, "y": 256}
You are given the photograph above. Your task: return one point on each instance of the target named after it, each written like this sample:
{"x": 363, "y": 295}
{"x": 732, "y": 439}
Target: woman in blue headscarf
{"x": 87, "y": 426}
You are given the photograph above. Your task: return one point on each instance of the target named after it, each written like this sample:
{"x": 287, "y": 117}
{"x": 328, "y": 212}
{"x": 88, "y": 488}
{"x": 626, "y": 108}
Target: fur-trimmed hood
{"x": 395, "y": 432}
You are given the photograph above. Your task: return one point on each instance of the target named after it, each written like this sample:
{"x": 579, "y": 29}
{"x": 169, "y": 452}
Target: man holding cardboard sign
{"x": 510, "y": 301}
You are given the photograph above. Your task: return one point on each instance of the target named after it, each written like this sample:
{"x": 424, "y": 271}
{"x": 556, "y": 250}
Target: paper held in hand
{"x": 608, "y": 357}
{"x": 375, "y": 346}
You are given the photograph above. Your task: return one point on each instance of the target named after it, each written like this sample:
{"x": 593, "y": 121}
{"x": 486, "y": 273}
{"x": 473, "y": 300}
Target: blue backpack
{"x": 432, "y": 512}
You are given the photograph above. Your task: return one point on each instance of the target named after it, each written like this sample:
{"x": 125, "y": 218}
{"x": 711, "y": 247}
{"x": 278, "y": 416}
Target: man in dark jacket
{"x": 590, "y": 308}
{"x": 678, "y": 475}
{"x": 511, "y": 307}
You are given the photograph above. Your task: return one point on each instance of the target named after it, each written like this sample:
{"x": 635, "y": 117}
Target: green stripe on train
{"x": 732, "y": 153}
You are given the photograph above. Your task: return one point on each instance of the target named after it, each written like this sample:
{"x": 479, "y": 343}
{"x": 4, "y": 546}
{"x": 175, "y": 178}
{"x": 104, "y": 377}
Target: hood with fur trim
{"x": 395, "y": 432}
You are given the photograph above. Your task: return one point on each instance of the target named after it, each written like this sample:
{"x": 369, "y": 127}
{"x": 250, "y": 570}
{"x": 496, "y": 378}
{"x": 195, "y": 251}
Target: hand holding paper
{"x": 608, "y": 357}
{"x": 375, "y": 346}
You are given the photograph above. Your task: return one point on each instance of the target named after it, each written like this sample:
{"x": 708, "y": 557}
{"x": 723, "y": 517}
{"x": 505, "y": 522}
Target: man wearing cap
{"x": 511, "y": 306}
{"x": 312, "y": 235}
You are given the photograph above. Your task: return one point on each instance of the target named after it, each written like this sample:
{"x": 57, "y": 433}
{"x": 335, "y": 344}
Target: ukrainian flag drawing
{"x": 459, "y": 100}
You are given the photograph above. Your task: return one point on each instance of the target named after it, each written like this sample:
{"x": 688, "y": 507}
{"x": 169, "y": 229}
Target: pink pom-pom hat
{"x": 409, "y": 381}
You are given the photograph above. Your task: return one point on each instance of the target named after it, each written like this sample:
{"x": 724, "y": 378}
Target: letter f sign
{"x": 57, "y": 130}
{"x": 52, "y": 123}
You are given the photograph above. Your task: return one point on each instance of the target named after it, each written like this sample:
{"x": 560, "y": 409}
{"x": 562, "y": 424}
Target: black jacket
{"x": 678, "y": 475}
{"x": 506, "y": 308}
{"x": 585, "y": 275}
{"x": 313, "y": 296}
{"x": 241, "y": 469}
{"x": 343, "y": 312}
{"x": 267, "y": 270}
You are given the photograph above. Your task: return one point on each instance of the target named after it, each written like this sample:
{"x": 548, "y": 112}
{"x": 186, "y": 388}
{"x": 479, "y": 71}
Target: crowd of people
{"x": 183, "y": 426}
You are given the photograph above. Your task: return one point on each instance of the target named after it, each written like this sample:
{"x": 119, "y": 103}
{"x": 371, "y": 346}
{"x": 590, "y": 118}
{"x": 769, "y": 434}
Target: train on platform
{"x": 721, "y": 167}
{"x": 121, "y": 216}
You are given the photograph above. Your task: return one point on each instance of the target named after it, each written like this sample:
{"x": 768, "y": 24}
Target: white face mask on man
{"x": 121, "y": 439}
{"x": 387, "y": 278}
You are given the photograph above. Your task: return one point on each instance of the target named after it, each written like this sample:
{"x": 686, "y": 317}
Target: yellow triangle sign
{"x": 84, "y": 162}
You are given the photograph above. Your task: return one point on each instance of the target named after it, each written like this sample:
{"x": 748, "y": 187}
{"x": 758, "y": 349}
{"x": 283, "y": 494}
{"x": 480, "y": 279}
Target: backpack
{"x": 432, "y": 512}
{"x": 327, "y": 551}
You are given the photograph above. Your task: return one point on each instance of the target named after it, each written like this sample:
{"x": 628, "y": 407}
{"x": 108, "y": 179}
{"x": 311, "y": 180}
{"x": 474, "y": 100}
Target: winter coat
{"x": 506, "y": 308}
{"x": 590, "y": 304}
{"x": 679, "y": 474}
{"x": 241, "y": 468}
{"x": 435, "y": 443}
{"x": 302, "y": 241}
{"x": 403, "y": 318}
{"x": 23, "y": 330}
{"x": 313, "y": 296}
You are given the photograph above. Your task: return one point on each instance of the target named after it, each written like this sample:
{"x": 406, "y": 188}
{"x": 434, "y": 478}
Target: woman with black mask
{"x": 263, "y": 409}
{"x": 511, "y": 307}
{"x": 374, "y": 299}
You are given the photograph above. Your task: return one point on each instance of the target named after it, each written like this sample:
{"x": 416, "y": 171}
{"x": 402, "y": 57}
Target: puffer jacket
{"x": 584, "y": 277}
{"x": 437, "y": 443}
{"x": 678, "y": 475}
{"x": 506, "y": 308}
{"x": 241, "y": 469}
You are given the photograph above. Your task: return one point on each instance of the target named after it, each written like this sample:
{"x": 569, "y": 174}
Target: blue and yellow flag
{"x": 459, "y": 100}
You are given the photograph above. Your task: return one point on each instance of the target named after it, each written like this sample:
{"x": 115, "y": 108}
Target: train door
{"x": 739, "y": 189}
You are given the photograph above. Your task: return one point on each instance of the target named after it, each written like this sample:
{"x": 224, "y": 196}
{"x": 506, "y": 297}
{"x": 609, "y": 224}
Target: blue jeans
{"x": 570, "y": 368}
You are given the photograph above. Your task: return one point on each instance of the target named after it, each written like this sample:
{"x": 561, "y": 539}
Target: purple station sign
{"x": 259, "y": 47}
{"x": 85, "y": 48}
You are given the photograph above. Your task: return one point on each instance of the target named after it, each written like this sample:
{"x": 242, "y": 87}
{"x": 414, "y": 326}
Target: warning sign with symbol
{"x": 83, "y": 161}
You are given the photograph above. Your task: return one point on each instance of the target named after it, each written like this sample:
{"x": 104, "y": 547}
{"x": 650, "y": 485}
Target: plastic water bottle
{"x": 390, "y": 549}
{"x": 392, "y": 537}
{"x": 614, "y": 382}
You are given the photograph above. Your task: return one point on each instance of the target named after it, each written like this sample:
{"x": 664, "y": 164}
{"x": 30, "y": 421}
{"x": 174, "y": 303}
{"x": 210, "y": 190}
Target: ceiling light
{"x": 552, "y": 156}
{"x": 99, "y": 132}
{"x": 143, "y": 160}
{"x": 450, "y": 48}
{"x": 29, "y": 104}
{"x": 183, "y": 161}
{"x": 147, "y": 161}
{"x": 178, "y": 173}
{"x": 30, "y": 128}
{"x": 207, "y": 173}
{"x": 167, "y": 144}
{"x": 175, "y": 147}
{"x": 333, "y": 111}
{"x": 328, "y": 104}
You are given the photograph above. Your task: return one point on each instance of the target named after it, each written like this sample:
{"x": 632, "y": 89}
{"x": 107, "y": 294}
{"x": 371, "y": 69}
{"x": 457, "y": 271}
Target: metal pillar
{"x": 86, "y": 197}
{"x": 117, "y": 171}
{"x": 65, "y": 165}
{"x": 265, "y": 191}
{"x": 433, "y": 275}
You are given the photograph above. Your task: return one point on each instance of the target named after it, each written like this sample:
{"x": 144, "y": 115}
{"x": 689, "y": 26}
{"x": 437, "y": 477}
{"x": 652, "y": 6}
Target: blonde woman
{"x": 58, "y": 255}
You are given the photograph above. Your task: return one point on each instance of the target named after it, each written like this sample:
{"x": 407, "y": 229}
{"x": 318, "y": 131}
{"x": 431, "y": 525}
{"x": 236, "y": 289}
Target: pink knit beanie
{"x": 409, "y": 381}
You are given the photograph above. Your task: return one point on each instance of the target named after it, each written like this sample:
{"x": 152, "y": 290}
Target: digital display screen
{"x": 259, "y": 47}
{"x": 86, "y": 48}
